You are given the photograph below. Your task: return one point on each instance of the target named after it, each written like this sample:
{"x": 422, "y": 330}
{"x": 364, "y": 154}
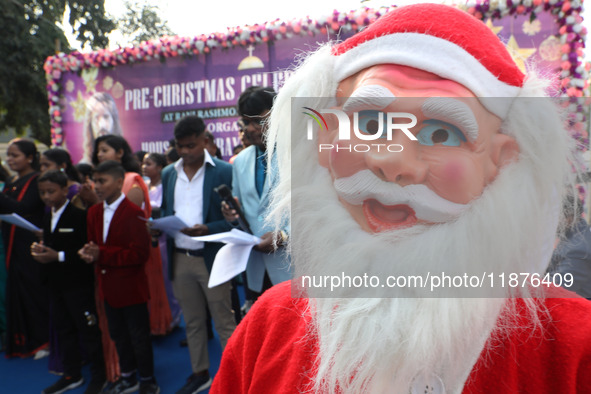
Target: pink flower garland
{"x": 574, "y": 76}
{"x": 572, "y": 35}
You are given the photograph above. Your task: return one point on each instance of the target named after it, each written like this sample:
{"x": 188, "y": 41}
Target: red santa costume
{"x": 272, "y": 352}
{"x": 404, "y": 341}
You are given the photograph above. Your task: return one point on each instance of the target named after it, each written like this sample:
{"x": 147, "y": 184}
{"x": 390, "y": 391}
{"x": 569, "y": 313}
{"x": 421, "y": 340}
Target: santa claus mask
{"x": 476, "y": 193}
{"x": 457, "y": 150}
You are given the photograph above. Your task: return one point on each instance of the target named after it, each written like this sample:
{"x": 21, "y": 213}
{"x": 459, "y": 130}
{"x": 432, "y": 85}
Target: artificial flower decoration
{"x": 572, "y": 36}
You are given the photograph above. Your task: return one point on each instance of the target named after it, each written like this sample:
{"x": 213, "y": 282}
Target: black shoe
{"x": 195, "y": 384}
{"x": 64, "y": 384}
{"x": 149, "y": 387}
{"x": 124, "y": 386}
{"x": 97, "y": 385}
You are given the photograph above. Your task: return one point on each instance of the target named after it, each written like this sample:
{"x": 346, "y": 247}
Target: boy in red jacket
{"x": 119, "y": 244}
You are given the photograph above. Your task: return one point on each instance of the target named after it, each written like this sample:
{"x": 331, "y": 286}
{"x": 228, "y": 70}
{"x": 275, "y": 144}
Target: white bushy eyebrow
{"x": 452, "y": 111}
{"x": 369, "y": 97}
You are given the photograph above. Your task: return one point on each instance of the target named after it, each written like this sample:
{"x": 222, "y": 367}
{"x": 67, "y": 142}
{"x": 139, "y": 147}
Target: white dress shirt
{"x": 108, "y": 212}
{"x": 188, "y": 201}
{"x": 55, "y": 217}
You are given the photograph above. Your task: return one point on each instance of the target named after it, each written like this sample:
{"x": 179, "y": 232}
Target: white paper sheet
{"x": 234, "y": 236}
{"x": 17, "y": 220}
{"x": 171, "y": 225}
{"x": 232, "y": 258}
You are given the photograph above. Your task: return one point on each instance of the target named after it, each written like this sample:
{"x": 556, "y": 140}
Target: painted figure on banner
{"x": 102, "y": 118}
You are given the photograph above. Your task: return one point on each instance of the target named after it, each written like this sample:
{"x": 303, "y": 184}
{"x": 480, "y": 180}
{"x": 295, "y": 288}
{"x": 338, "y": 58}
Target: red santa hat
{"x": 439, "y": 39}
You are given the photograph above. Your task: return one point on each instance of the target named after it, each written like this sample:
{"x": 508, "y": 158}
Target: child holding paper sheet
{"x": 71, "y": 285}
{"x": 26, "y": 296}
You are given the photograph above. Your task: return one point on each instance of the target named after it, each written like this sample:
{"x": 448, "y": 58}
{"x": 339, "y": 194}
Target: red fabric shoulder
{"x": 553, "y": 358}
{"x": 270, "y": 351}
{"x": 273, "y": 350}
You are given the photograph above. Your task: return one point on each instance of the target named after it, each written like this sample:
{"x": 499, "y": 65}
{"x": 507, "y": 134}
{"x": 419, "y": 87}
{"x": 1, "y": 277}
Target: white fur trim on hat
{"x": 434, "y": 55}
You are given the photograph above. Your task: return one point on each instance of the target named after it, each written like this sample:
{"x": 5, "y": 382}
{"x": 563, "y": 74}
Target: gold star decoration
{"x": 519, "y": 55}
{"x": 89, "y": 78}
{"x": 495, "y": 29}
{"x": 79, "y": 106}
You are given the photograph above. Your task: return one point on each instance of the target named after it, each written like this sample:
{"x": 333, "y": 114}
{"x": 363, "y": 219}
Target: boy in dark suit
{"x": 120, "y": 245}
{"x": 71, "y": 285}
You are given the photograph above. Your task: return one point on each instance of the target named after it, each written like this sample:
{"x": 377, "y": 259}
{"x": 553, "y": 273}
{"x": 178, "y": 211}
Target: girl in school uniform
{"x": 27, "y": 305}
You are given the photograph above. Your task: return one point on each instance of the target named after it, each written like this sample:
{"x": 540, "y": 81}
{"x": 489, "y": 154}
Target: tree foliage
{"x": 29, "y": 33}
{"x": 141, "y": 22}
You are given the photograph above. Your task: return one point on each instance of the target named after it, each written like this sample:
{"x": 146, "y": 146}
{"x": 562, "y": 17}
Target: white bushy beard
{"x": 380, "y": 345}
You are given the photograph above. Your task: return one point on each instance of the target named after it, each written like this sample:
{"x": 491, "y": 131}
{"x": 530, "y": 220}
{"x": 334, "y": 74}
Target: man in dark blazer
{"x": 71, "y": 285}
{"x": 187, "y": 192}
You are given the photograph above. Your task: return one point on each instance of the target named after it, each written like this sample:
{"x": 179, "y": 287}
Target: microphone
{"x": 226, "y": 195}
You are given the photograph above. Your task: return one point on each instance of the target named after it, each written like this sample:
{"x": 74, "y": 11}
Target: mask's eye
{"x": 436, "y": 132}
{"x": 372, "y": 122}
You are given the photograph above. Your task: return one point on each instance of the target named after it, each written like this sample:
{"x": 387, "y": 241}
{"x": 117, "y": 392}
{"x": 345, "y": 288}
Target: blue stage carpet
{"x": 171, "y": 363}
